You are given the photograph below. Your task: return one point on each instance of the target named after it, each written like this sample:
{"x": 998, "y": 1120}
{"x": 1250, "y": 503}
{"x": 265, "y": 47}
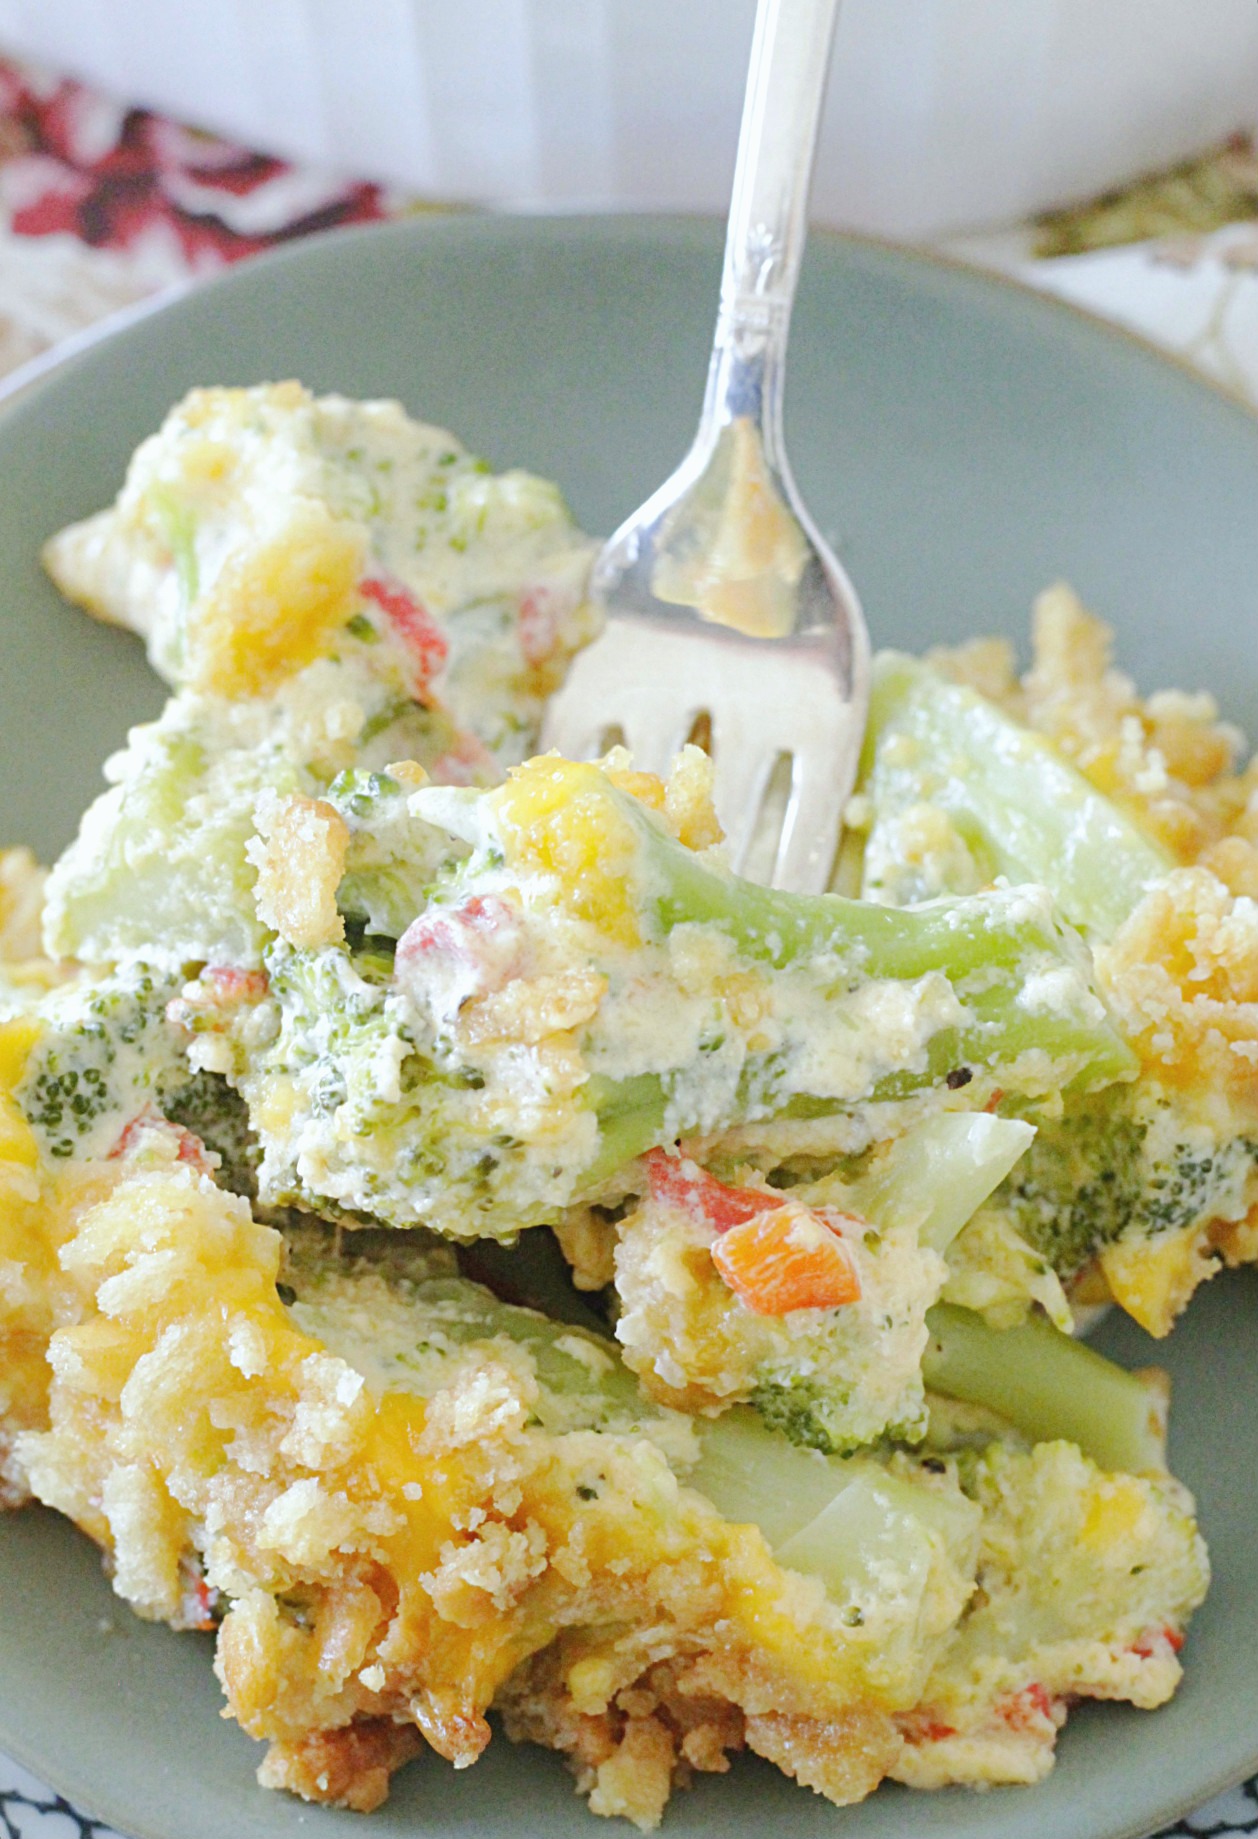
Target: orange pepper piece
{"x": 786, "y": 1258}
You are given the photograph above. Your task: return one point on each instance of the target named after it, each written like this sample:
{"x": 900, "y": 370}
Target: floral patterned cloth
{"x": 101, "y": 206}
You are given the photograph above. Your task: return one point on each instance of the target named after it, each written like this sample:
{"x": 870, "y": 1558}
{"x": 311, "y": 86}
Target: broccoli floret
{"x": 393, "y": 856}
{"x": 1128, "y": 1164}
{"x": 208, "y": 1107}
{"x": 377, "y": 1123}
{"x": 106, "y": 1053}
{"x": 803, "y": 1409}
{"x": 815, "y": 1412}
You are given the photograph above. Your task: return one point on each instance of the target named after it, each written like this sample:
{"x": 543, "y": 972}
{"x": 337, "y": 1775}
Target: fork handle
{"x": 768, "y": 218}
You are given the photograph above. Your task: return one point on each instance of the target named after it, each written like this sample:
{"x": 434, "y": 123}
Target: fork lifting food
{"x": 725, "y": 608}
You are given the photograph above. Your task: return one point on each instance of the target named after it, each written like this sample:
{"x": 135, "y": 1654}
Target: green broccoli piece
{"x": 1129, "y": 1164}
{"x": 402, "y": 1316}
{"x": 158, "y": 869}
{"x": 1012, "y": 805}
{"x": 393, "y": 857}
{"x": 1048, "y": 1386}
{"x": 105, "y": 1054}
{"x": 207, "y": 1106}
{"x": 817, "y": 1410}
{"x": 399, "y": 1116}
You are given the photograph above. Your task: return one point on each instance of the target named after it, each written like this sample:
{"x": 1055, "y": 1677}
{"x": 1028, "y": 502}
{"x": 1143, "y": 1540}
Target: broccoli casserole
{"x": 476, "y": 1254}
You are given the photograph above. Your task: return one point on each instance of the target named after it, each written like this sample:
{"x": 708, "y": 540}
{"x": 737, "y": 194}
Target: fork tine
{"x": 810, "y": 830}
{"x": 655, "y": 733}
{"x": 740, "y": 779}
{"x": 573, "y": 742}
{"x": 572, "y": 726}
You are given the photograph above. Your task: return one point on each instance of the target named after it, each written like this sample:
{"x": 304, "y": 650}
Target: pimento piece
{"x": 467, "y": 762}
{"x": 225, "y": 984}
{"x": 460, "y": 931}
{"x": 1025, "y": 1709}
{"x": 537, "y": 624}
{"x": 788, "y": 1258}
{"x": 681, "y": 1183}
{"x": 206, "y": 1600}
{"x": 1155, "y": 1640}
{"x": 205, "y": 1005}
{"x": 189, "y": 1148}
{"x": 451, "y": 954}
{"x": 922, "y": 1726}
{"x": 416, "y": 628}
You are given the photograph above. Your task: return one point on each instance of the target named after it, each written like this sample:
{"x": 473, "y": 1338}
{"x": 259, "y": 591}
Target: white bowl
{"x": 943, "y": 114}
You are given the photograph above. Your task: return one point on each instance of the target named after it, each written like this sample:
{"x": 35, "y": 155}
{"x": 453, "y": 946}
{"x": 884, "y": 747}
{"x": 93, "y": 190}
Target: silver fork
{"x": 725, "y": 609}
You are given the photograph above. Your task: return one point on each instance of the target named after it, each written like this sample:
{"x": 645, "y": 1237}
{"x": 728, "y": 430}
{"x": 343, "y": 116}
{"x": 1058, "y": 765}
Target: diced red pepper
{"x": 1154, "y": 1638}
{"x": 537, "y": 622}
{"x": 681, "y": 1183}
{"x": 457, "y": 930}
{"x": 207, "y": 1003}
{"x": 473, "y": 948}
{"x": 190, "y": 1148}
{"x": 1022, "y": 1710}
{"x": 205, "y": 1599}
{"x": 415, "y": 626}
{"x": 226, "y": 984}
{"x": 922, "y": 1727}
{"x": 468, "y": 762}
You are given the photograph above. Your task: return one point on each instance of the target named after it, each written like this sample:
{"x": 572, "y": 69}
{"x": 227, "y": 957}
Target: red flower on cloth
{"x": 76, "y": 163}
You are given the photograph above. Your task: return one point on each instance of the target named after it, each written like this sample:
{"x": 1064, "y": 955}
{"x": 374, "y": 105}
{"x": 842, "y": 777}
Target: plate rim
{"x": 27, "y": 380}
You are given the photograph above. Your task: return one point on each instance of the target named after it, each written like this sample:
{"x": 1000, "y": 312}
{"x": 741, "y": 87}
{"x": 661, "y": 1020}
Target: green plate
{"x": 963, "y": 443}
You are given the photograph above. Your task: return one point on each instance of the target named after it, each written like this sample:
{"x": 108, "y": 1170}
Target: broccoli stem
{"x": 978, "y": 933}
{"x": 990, "y": 947}
{"x": 1020, "y": 807}
{"x": 940, "y": 1173}
{"x": 630, "y": 1120}
{"x": 1025, "y": 1016}
{"x": 839, "y": 1521}
{"x": 877, "y": 1521}
{"x": 756, "y": 1476}
{"x": 1046, "y": 1385}
{"x": 845, "y": 1522}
